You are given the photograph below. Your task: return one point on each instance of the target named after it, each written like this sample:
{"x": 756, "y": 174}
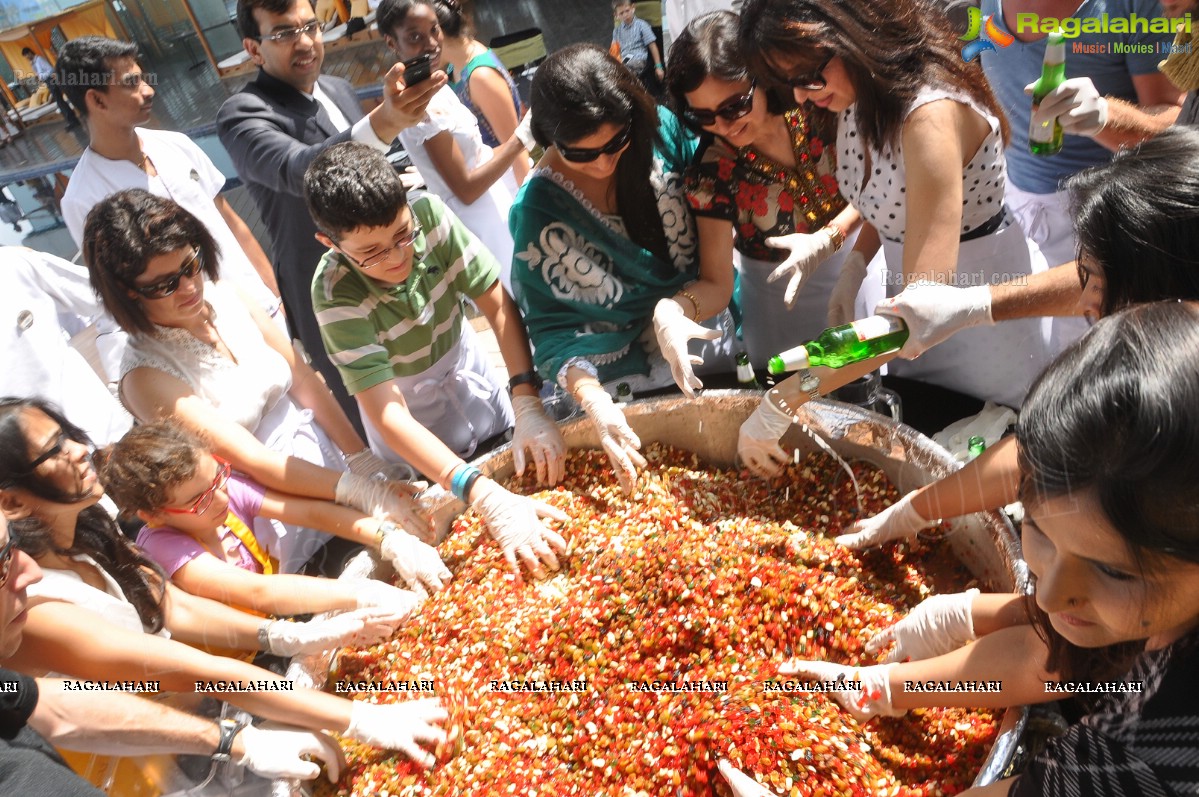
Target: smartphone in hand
{"x": 418, "y": 70}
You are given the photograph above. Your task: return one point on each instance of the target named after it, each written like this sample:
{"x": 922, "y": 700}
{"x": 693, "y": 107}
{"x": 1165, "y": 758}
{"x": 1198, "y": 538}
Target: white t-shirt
{"x": 186, "y": 175}
{"x": 44, "y": 301}
{"x": 110, "y": 603}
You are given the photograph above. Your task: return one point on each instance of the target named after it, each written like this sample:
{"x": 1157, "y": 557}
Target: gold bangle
{"x": 694, "y": 303}
{"x": 835, "y": 235}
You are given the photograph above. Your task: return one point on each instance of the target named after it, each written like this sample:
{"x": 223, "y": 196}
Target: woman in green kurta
{"x": 603, "y": 235}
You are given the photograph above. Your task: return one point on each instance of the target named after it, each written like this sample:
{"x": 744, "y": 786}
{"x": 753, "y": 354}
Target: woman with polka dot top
{"x": 920, "y": 141}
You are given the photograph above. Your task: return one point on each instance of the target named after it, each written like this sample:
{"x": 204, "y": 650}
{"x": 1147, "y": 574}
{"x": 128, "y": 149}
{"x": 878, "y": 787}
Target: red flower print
{"x": 830, "y": 183}
{"x": 747, "y": 231}
{"x": 752, "y": 198}
{"x": 816, "y": 147}
{"x": 724, "y": 169}
{"x": 786, "y": 204}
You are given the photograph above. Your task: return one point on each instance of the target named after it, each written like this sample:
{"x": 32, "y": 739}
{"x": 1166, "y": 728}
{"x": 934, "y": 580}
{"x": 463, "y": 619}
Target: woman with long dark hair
{"x": 104, "y": 611}
{"x": 920, "y": 142}
{"x": 763, "y": 183}
{"x": 1108, "y": 446}
{"x": 603, "y": 234}
{"x": 1136, "y": 222}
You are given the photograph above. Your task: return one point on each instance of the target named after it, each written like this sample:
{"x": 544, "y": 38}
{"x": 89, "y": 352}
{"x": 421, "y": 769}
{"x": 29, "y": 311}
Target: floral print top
{"x": 763, "y": 198}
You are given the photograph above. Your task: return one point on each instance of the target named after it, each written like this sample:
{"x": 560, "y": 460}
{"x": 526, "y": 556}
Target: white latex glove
{"x": 394, "y": 603}
{"x": 741, "y": 784}
{"x": 417, "y": 563}
{"x": 515, "y": 523}
{"x": 524, "y": 132}
{"x": 278, "y": 752}
{"x": 871, "y": 700}
{"x": 1076, "y": 104}
{"x": 758, "y": 441}
{"x": 941, "y": 624}
{"x": 845, "y": 292}
{"x": 361, "y": 626}
{"x": 807, "y": 252}
{"x": 897, "y": 522}
{"x": 618, "y": 440}
{"x": 674, "y": 330}
{"x": 934, "y": 312}
{"x": 366, "y": 463}
{"x": 399, "y": 726}
{"x": 537, "y": 434}
{"x": 382, "y": 498}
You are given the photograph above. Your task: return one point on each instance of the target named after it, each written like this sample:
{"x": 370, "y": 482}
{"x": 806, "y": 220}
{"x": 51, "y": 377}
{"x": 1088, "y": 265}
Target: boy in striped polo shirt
{"x": 389, "y": 297}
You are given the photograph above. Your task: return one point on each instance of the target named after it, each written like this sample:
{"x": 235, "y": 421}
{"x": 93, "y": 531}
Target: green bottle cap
{"x": 977, "y": 445}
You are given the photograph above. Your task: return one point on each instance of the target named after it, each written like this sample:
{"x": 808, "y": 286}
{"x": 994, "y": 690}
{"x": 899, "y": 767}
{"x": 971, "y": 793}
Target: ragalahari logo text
{"x": 982, "y": 34}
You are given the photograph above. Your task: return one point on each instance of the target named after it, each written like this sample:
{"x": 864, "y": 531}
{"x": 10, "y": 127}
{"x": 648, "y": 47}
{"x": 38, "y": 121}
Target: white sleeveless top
{"x": 881, "y": 195}
{"x": 110, "y": 603}
{"x": 244, "y": 391}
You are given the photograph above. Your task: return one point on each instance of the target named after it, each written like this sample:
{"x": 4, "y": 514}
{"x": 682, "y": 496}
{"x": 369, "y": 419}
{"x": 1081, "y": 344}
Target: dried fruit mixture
{"x": 698, "y": 580}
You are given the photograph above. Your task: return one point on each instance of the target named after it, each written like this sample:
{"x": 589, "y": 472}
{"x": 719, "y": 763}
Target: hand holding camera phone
{"x": 418, "y": 70}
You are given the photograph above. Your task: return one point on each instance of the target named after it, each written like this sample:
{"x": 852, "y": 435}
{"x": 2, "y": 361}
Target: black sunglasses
{"x": 168, "y": 285}
{"x": 585, "y": 155}
{"x": 730, "y": 110}
{"x": 7, "y": 553}
{"x": 813, "y": 81}
{"x": 50, "y": 453}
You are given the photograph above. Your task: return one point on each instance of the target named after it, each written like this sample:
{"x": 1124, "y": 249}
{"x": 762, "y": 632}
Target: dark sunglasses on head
{"x": 168, "y": 285}
{"x": 7, "y": 554}
{"x": 730, "y": 110}
{"x": 813, "y": 81}
{"x": 585, "y": 155}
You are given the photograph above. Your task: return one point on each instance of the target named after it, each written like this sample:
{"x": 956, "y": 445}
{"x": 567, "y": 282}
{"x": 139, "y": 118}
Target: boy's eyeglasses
{"x": 292, "y": 35}
{"x": 405, "y": 240}
{"x": 813, "y": 81}
{"x": 730, "y": 110}
{"x": 587, "y": 155}
{"x": 201, "y": 504}
{"x": 7, "y": 554}
{"x": 168, "y": 285}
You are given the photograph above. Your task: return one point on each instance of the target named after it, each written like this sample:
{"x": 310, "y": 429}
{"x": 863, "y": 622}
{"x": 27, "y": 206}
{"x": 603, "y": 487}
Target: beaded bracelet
{"x": 686, "y": 294}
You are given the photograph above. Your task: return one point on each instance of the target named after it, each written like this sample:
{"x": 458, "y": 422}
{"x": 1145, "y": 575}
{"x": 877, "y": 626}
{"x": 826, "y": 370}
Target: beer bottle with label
{"x": 839, "y": 346}
{"x": 624, "y": 393}
{"x": 1046, "y": 138}
{"x": 745, "y": 373}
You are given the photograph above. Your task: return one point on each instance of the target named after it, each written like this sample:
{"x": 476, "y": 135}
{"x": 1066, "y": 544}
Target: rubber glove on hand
{"x": 537, "y": 434}
{"x": 367, "y": 463}
{"x": 939, "y": 625}
{"x": 1076, "y": 104}
{"x": 806, "y": 251}
{"x": 382, "y": 498}
{"x": 399, "y": 726}
{"x": 277, "y": 752}
{"x": 870, "y": 700}
{"x": 417, "y": 563}
{"x": 845, "y": 293}
{"x": 619, "y": 441}
{"x": 524, "y": 132}
{"x": 897, "y": 522}
{"x": 515, "y": 523}
{"x": 392, "y": 602}
{"x": 758, "y": 440}
{"x": 934, "y": 312}
{"x": 741, "y": 784}
{"x": 674, "y": 330}
{"x": 361, "y": 626}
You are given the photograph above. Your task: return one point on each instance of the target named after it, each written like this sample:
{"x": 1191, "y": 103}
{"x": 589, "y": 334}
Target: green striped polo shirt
{"x": 375, "y": 332}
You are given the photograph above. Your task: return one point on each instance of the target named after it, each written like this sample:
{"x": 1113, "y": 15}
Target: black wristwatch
{"x": 229, "y": 730}
{"x": 526, "y": 378}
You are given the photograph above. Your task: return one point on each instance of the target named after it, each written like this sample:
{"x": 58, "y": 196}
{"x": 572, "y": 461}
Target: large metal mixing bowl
{"x": 985, "y": 542}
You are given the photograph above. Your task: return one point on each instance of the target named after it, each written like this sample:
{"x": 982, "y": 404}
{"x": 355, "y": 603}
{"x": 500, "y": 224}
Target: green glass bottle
{"x": 1046, "y": 138}
{"x": 624, "y": 393}
{"x": 840, "y": 346}
{"x": 745, "y": 373}
{"x": 977, "y": 445}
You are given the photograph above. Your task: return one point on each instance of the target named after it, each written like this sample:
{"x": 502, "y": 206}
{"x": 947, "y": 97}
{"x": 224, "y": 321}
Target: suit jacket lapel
{"x": 346, "y": 101}
{"x": 292, "y": 100}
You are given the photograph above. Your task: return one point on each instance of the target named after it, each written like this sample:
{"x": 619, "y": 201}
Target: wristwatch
{"x": 809, "y": 383}
{"x": 264, "y": 635}
{"x": 527, "y": 378}
{"x": 229, "y": 730}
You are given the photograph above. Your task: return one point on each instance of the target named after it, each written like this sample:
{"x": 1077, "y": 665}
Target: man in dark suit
{"x": 279, "y": 122}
